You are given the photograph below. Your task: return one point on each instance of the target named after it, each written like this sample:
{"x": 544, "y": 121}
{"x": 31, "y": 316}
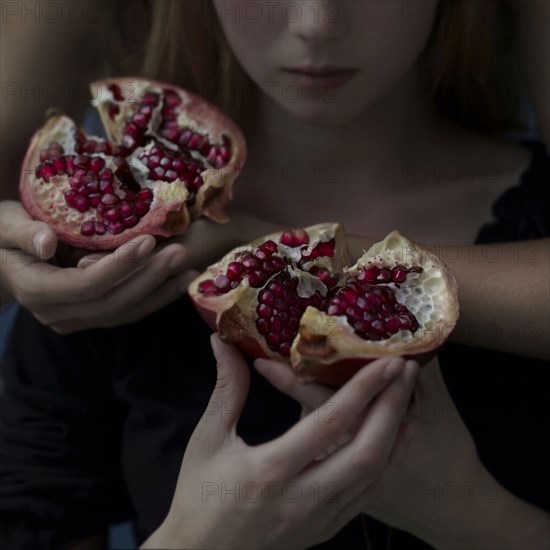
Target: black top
{"x": 94, "y": 424}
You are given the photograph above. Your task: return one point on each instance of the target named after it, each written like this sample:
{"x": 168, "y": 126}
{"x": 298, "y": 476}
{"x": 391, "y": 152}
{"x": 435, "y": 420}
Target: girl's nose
{"x": 317, "y": 20}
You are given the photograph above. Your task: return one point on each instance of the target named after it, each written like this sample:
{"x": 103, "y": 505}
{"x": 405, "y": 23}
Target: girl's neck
{"x": 390, "y": 130}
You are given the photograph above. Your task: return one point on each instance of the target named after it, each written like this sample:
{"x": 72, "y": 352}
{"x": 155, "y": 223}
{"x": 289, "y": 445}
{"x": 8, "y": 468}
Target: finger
{"x": 360, "y": 461}
{"x": 171, "y": 290}
{"x": 19, "y": 230}
{"x": 139, "y": 284}
{"x": 295, "y": 449}
{"x": 91, "y": 259}
{"x": 218, "y": 424}
{"x": 282, "y": 377}
{"x": 79, "y": 285}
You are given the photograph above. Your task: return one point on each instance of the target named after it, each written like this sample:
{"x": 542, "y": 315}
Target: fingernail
{"x": 86, "y": 262}
{"x": 394, "y": 368}
{"x": 410, "y": 372}
{"x": 146, "y": 246}
{"x": 218, "y": 353}
{"x": 39, "y": 241}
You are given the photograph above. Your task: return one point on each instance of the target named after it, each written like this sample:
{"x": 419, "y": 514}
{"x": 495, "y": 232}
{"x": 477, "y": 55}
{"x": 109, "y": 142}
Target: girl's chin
{"x": 322, "y": 114}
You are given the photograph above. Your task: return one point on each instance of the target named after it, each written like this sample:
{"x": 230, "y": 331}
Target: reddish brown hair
{"x": 465, "y": 66}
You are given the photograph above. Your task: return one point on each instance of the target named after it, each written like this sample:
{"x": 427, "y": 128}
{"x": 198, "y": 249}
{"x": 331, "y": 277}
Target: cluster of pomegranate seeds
{"x": 119, "y": 213}
{"x": 370, "y": 305}
{"x": 134, "y": 133}
{"x": 114, "y": 192}
{"x": 255, "y": 266}
{"x": 279, "y": 306}
{"x": 324, "y": 275}
{"x": 90, "y": 146}
{"x": 377, "y": 275}
{"x": 216, "y": 155}
{"x": 92, "y": 186}
{"x": 167, "y": 165}
{"x": 279, "y": 311}
{"x": 367, "y": 300}
{"x": 324, "y": 248}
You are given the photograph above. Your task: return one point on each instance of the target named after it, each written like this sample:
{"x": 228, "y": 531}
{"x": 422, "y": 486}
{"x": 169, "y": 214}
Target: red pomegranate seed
{"x": 222, "y": 282}
{"x": 89, "y": 146}
{"x": 234, "y": 270}
{"x": 111, "y": 215}
{"x": 384, "y": 275}
{"x": 399, "y": 274}
{"x": 95, "y": 200}
{"x": 87, "y": 229}
{"x": 115, "y": 227}
{"x": 70, "y": 196}
{"x": 130, "y": 221}
{"x": 116, "y": 91}
{"x": 141, "y": 208}
{"x": 294, "y": 237}
{"x": 145, "y": 195}
{"x": 59, "y": 165}
{"x": 158, "y": 173}
{"x": 368, "y": 275}
{"x": 255, "y": 278}
{"x": 81, "y": 161}
{"x": 113, "y": 110}
{"x": 48, "y": 171}
{"x": 96, "y": 164}
{"x": 81, "y": 203}
{"x": 69, "y": 162}
{"x": 110, "y": 199}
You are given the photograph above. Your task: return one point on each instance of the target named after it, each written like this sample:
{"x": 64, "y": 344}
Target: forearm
{"x": 505, "y": 297}
{"x": 504, "y": 293}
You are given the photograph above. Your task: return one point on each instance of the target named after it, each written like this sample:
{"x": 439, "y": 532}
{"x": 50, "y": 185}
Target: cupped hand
{"x": 433, "y": 483}
{"x": 278, "y": 495}
{"x": 119, "y": 287}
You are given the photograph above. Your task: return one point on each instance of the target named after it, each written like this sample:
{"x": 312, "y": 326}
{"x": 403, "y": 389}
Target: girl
{"x": 392, "y": 95}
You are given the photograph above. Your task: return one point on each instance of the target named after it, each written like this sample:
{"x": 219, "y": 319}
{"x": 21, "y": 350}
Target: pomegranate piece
{"x": 170, "y": 157}
{"x": 291, "y": 296}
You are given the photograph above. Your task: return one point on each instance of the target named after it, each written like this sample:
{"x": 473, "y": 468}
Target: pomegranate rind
{"x": 328, "y": 350}
{"x": 230, "y": 313}
{"x": 195, "y": 113}
{"x": 45, "y": 201}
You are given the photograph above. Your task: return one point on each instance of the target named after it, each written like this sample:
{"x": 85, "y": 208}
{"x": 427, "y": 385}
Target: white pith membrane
{"x": 175, "y": 201}
{"x": 429, "y": 295}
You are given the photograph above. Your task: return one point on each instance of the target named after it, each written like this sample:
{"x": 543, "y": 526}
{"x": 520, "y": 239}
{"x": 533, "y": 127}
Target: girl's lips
{"x": 324, "y": 79}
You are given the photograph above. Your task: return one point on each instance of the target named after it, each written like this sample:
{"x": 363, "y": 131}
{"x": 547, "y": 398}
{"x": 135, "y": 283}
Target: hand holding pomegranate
{"x": 434, "y": 484}
{"x": 121, "y": 287}
{"x": 265, "y": 514}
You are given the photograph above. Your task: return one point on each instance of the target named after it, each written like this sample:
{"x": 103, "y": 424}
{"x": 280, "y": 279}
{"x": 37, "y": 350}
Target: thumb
{"x": 19, "y": 230}
{"x": 229, "y": 395}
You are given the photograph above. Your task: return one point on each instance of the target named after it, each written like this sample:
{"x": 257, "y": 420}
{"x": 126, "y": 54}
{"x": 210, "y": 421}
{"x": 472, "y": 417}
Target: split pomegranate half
{"x": 170, "y": 157}
{"x": 292, "y": 296}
